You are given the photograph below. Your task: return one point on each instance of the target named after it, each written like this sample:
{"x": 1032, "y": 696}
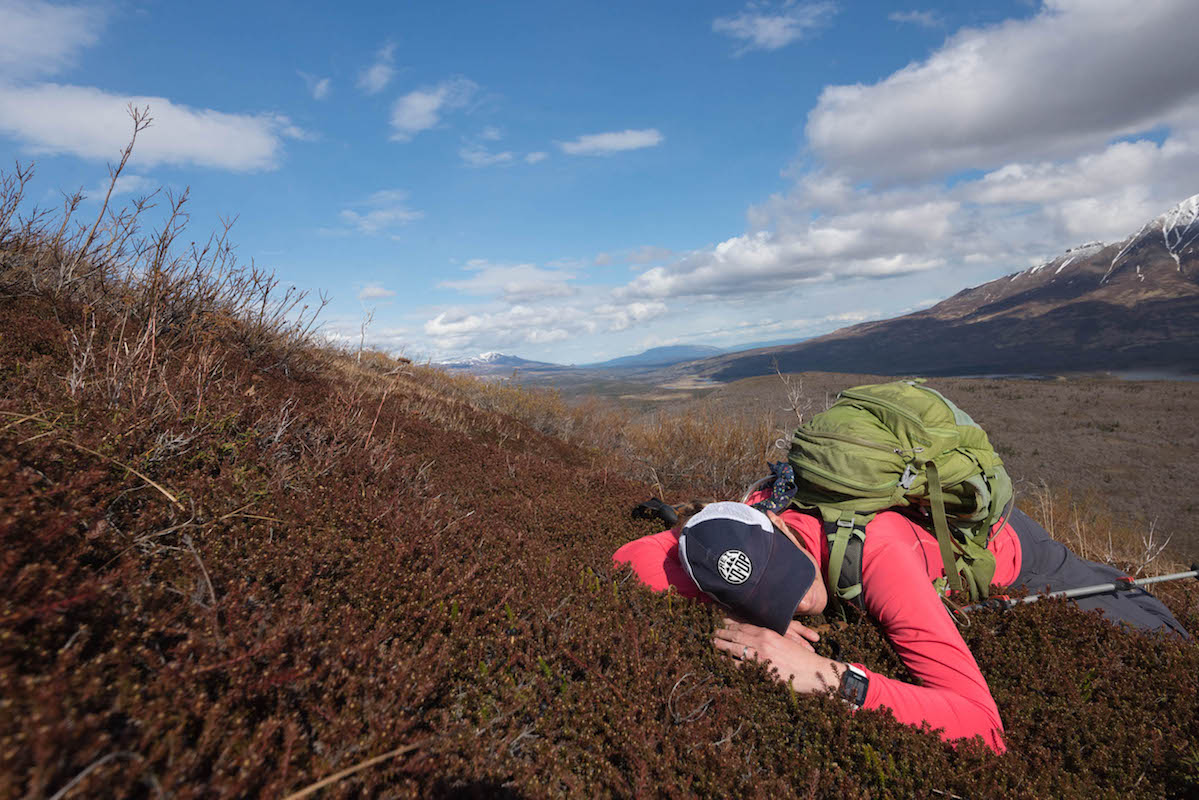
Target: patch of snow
{"x": 1180, "y": 227}
{"x": 1065, "y": 264}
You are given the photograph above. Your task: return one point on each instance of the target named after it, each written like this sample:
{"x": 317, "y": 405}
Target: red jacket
{"x": 899, "y": 561}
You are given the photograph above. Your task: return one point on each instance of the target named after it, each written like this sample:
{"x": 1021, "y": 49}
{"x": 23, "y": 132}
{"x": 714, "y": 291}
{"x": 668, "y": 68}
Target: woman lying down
{"x": 770, "y": 569}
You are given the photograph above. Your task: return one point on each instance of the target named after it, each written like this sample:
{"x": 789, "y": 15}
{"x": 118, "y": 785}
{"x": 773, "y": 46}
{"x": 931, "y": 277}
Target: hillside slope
{"x": 236, "y": 565}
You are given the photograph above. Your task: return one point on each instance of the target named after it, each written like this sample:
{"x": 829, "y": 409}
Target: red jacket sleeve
{"x": 954, "y": 696}
{"x": 655, "y": 560}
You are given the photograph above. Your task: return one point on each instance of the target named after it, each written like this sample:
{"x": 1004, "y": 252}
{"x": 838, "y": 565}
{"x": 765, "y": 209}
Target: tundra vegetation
{"x": 238, "y": 562}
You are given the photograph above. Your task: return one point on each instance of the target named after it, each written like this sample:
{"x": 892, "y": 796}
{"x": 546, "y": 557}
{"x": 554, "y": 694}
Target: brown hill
{"x": 1129, "y": 305}
{"x": 238, "y": 565}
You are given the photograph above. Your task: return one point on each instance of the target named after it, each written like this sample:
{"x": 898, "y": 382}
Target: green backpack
{"x": 901, "y": 445}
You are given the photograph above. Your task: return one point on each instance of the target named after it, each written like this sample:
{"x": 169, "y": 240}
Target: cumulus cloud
{"x": 874, "y": 243}
{"x": 474, "y": 155}
{"x": 602, "y": 144}
{"x": 375, "y": 78}
{"x": 91, "y": 123}
{"x": 375, "y": 292}
{"x": 770, "y": 26}
{"x": 318, "y": 87}
{"x": 459, "y": 330}
{"x": 514, "y": 283}
{"x": 463, "y": 330}
{"x": 38, "y": 39}
{"x": 422, "y": 109}
{"x": 925, "y": 19}
{"x": 1073, "y": 77}
{"x": 382, "y": 211}
{"x": 533, "y": 158}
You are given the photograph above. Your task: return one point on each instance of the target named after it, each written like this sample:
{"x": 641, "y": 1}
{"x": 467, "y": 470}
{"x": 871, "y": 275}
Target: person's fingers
{"x": 737, "y": 637}
{"x": 735, "y": 624}
{"x": 797, "y": 630}
{"x": 739, "y": 651}
{"x": 799, "y": 641}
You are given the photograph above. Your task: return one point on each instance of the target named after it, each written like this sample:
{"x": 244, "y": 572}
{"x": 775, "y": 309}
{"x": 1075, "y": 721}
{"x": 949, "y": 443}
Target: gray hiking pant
{"x": 1049, "y": 566}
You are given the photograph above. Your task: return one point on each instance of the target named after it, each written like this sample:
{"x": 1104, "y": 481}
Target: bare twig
{"x": 141, "y": 120}
{"x": 99, "y": 762}
{"x": 345, "y": 773}
{"x": 187, "y": 539}
{"x": 145, "y": 478}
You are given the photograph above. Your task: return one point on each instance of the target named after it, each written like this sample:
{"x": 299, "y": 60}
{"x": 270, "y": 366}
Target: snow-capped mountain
{"x": 492, "y": 363}
{"x": 1124, "y": 305}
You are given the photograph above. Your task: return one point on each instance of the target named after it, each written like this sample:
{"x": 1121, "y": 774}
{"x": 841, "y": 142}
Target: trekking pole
{"x": 1003, "y": 602}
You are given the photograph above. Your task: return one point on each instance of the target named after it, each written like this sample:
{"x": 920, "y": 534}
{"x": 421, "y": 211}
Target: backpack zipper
{"x": 841, "y": 437}
{"x": 903, "y": 412}
{"x": 882, "y": 490}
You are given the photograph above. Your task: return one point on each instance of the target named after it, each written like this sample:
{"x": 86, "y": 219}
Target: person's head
{"x": 752, "y": 564}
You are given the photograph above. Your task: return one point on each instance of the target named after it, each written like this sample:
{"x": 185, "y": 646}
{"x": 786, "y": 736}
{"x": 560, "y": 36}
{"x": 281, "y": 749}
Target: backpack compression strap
{"x": 846, "y": 537}
{"x": 941, "y": 526}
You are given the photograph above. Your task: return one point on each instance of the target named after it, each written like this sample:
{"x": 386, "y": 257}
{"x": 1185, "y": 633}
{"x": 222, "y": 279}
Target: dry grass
{"x": 1086, "y": 524}
{"x": 702, "y": 449}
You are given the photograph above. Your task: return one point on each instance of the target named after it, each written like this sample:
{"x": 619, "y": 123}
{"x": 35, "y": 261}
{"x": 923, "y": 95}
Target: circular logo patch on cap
{"x": 735, "y": 567}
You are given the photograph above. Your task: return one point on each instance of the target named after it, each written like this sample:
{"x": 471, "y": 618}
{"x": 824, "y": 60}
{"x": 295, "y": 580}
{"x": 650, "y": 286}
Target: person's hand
{"x": 791, "y": 655}
{"x": 802, "y": 634}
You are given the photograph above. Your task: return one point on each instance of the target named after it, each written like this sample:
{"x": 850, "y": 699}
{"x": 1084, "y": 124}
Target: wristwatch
{"x": 854, "y": 685}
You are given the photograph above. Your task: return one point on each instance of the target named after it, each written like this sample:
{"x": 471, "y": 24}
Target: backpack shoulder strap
{"x": 846, "y": 536}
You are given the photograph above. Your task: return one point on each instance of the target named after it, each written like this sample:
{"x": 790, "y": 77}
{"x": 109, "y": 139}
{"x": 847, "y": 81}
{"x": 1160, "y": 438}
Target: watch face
{"x": 854, "y": 685}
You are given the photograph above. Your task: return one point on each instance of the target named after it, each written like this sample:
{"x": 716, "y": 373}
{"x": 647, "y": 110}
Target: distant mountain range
{"x": 493, "y": 364}
{"x": 1129, "y": 305}
{"x": 660, "y": 356}
{"x": 1133, "y": 304}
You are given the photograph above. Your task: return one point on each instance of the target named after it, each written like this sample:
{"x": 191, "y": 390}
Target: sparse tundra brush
{"x": 236, "y": 565}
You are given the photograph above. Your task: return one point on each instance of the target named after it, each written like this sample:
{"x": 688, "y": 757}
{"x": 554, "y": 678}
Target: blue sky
{"x": 574, "y": 181}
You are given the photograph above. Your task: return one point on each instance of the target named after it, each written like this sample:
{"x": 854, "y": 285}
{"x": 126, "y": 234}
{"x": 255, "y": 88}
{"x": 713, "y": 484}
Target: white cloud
{"x": 90, "y": 123}
{"x": 1072, "y": 78}
{"x": 769, "y": 26}
{"x": 37, "y": 38}
{"x": 126, "y": 184}
{"x": 602, "y": 259}
{"x": 925, "y": 19}
{"x": 533, "y": 158}
{"x": 649, "y": 253}
{"x": 602, "y": 144}
{"x": 875, "y": 243}
{"x": 459, "y": 330}
{"x": 514, "y": 283}
{"x": 462, "y": 330}
{"x": 474, "y": 155}
{"x": 384, "y": 210}
{"x": 422, "y": 109}
{"x": 318, "y": 87}
{"x": 375, "y": 78}
{"x": 621, "y": 316}
{"x": 491, "y": 134}
{"x": 375, "y": 292}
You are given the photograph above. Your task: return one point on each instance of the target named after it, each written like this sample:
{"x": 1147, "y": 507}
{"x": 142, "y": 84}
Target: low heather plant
{"x": 247, "y": 567}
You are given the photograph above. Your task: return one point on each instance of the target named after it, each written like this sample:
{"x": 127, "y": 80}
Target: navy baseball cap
{"x": 737, "y": 557}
